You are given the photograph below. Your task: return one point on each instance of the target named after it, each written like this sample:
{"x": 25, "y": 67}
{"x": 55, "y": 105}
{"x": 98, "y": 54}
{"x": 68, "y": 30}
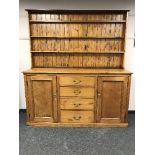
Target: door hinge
{"x": 27, "y": 83}
{"x": 98, "y": 93}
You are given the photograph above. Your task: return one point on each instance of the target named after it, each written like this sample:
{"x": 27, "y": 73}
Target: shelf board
{"x": 77, "y": 37}
{"x": 70, "y": 22}
{"x": 77, "y": 70}
{"x": 85, "y": 52}
{"x": 60, "y": 11}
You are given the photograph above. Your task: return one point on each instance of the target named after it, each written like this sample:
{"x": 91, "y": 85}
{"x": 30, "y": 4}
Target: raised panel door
{"x": 42, "y": 98}
{"x": 112, "y": 99}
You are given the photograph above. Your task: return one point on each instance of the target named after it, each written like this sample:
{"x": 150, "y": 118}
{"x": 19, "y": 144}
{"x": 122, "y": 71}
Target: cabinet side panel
{"x": 27, "y": 97}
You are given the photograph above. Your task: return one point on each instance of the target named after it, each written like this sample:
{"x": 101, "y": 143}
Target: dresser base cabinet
{"x": 77, "y": 100}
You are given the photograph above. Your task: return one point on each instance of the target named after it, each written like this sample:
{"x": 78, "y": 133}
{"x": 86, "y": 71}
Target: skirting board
{"x": 95, "y": 125}
{"x": 129, "y": 112}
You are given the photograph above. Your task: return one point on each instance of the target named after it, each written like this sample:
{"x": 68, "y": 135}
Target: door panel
{"x": 112, "y": 91}
{"x": 112, "y": 99}
{"x": 43, "y": 98}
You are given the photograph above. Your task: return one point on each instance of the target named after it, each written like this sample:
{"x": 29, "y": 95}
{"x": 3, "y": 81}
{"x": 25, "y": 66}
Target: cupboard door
{"x": 42, "y": 96}
{"x": 112, "y": 99}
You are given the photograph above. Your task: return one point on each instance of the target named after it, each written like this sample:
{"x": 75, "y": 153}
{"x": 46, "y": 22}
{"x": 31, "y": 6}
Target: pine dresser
{"x": 77, "y": 78}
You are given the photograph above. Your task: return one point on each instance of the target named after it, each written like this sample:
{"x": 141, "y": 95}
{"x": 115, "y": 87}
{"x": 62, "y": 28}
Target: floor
{"x": 76, "y": 141}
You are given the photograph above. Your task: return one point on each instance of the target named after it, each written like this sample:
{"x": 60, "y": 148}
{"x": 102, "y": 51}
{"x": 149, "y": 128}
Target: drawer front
{"x": 77, "y": 91}
{"x": 77, "y": 80}
{"x": 77, "y": 103}
{"x": 77, "y": 116}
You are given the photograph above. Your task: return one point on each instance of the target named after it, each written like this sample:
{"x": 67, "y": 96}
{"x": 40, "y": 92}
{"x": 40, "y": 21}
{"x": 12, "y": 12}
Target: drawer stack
{"x": 77, "y": 99}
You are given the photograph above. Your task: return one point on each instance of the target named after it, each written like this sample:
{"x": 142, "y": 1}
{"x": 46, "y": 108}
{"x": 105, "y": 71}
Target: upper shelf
{"x": 70, "y": 22}
{"x": 78, "y": 52}
{"x": 76, "y": 11}
{"x": 77, "y": 37}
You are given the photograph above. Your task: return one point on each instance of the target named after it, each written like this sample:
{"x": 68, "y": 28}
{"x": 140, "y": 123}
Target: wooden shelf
{"x": 59, "y": 11}
{"x": 77, "y": 37}
{"x": 73, "y": 52}
{"x": 70, "y": 22}
{"x": 77, "y": 70}
{"x": 78, "y": 40}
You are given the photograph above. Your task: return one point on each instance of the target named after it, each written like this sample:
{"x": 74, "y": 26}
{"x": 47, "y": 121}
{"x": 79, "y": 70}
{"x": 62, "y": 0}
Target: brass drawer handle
{"x": 77, "y": 92}
{"x": 77, "y": 81}
{"x": 77, "y": 104}
{"x": 77, "y": 118}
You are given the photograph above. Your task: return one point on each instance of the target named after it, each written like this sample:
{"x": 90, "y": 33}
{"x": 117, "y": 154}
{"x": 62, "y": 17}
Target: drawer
{"x": 77, "y": 80}
{"x": 77, "y": 116}
{"x": 77, "y": 91}
{"x": 76, "y": 103}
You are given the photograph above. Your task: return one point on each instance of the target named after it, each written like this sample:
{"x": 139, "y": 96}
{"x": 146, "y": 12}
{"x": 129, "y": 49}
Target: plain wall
{"x": 24, "y": 49}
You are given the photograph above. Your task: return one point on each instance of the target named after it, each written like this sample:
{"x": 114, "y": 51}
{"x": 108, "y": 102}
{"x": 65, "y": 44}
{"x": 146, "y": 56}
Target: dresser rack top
{"x": 75, "y": 11}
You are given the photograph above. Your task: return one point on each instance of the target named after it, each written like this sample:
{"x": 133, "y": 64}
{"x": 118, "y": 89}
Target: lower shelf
{"x": 97, "y": 125}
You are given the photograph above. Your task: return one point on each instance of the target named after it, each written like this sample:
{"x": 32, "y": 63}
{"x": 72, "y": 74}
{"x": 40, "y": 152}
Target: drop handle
{"x": 77, "y": 104}
{"x": 77, "y": 117}
{"x": 77, "y": 81}
{"x": 77, "y": 92}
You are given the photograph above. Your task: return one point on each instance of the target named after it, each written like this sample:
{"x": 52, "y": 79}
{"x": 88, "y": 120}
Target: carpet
{"x": 76, "y": 141}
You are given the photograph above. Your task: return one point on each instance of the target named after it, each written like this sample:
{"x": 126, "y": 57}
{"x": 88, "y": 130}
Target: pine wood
{"x": 51, "y": 21}
{"x": 77, "y": 71}
{"x": 76, "y": 81}
{"x": 79, "y": 125}
{"x": 98, "y": 32}
{"x": 48, "y": 60}
{"x": 77, "y": 91}
{"x": 76, "y": 103}
{"x": 115, "y": 111}
{"x": 77, "y": 116}
{"x": 77, "y": 77}
{"x": 41, "y": 98}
